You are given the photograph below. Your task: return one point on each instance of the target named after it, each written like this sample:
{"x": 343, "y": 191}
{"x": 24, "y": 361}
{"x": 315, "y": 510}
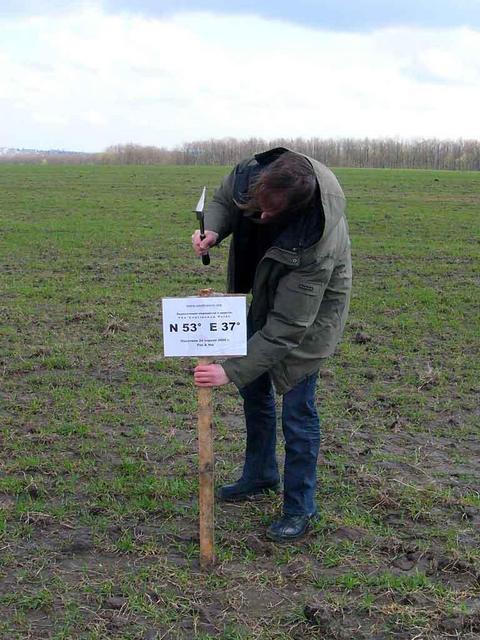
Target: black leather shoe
{"x": 289, "y": 528}
{"x": 242, "y": 490}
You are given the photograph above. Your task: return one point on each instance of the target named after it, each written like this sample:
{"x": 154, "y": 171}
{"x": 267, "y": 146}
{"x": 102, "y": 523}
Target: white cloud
{"x": 94, "y": 118}
{"x": 87, "y": 80}
{"x": 45, "y": 118}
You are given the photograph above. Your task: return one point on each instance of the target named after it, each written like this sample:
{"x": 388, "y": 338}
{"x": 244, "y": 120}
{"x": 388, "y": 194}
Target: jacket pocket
{"x": 305, "y": 287}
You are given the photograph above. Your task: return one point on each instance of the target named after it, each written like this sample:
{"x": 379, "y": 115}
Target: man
{"x": 290, "y": 248}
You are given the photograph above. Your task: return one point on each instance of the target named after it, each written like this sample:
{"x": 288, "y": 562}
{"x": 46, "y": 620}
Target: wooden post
{"x": 206, "y": 468}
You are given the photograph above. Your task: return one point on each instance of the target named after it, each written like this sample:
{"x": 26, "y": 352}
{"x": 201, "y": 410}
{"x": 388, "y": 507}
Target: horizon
{"x": 180, "y": 147}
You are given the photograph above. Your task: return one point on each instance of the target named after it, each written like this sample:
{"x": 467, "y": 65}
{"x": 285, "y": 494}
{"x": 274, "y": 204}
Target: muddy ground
{"x": 98, "y": 484}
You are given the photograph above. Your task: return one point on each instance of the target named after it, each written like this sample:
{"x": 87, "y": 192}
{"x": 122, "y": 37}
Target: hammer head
{"x": 199, "y": 211}
{"x": 201, "y": 204}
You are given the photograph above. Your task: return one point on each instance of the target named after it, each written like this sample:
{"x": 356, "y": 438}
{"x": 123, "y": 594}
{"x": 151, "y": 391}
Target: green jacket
{"x": 301, "y": 292}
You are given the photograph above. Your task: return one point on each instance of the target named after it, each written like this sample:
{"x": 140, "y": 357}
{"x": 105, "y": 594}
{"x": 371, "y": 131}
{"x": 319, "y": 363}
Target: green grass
{"x": 98, "y": 475}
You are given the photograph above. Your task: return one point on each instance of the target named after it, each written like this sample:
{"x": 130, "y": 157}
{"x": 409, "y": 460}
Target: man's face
{"x": 272, "y": 205}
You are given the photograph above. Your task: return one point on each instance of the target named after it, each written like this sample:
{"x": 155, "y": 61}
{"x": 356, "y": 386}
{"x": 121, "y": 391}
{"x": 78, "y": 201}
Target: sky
{"x": 83, "y": 75}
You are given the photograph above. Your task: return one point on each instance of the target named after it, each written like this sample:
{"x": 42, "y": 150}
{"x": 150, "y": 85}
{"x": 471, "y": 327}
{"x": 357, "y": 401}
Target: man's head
{"x": 284, "y": 188}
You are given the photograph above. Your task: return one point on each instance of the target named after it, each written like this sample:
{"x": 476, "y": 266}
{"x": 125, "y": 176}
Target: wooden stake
{"x": 206, "y": 468}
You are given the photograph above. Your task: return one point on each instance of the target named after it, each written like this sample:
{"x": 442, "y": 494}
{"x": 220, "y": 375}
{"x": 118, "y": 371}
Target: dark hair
{"x": 291, "y": 176}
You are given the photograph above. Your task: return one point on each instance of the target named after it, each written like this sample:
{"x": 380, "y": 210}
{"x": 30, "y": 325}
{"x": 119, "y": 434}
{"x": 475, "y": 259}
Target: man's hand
{"x": 210, "y": 375}
{"x": 201, "y": 247}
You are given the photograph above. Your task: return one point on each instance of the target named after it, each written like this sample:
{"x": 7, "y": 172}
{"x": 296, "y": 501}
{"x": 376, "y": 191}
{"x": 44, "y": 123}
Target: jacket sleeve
{"x": 219, "y": 213}
{"x": 296, "y": 304}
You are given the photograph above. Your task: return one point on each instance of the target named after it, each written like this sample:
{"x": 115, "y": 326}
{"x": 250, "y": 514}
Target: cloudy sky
{"x": 83, "y": 75}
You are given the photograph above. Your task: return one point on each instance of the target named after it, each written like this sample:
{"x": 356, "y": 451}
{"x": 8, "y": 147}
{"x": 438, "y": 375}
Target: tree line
{"x": 344, "y": 152}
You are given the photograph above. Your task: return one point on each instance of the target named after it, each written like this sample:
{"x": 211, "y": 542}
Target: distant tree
{"x": 392, "y": 153}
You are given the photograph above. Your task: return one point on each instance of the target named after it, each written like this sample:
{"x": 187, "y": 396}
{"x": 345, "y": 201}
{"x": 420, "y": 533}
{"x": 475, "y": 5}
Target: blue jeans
{"x": 301, "y": 429}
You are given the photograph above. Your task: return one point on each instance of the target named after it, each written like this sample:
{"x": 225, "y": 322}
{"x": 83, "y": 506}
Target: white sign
{"x": 210, "y": 326}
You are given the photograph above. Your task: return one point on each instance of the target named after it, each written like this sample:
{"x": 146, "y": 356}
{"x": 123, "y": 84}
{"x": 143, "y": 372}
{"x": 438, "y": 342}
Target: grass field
{"x": 98, "y": 484}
